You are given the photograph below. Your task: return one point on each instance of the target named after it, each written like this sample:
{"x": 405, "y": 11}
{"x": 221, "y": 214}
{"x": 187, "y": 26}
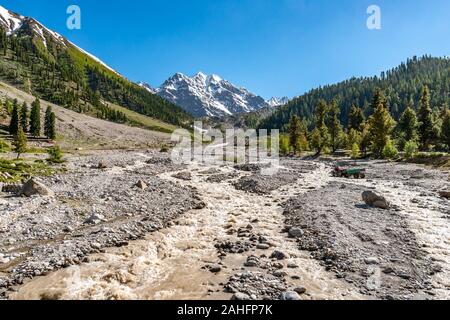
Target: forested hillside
{"x": 43, "y": 63}
{"x": 402, "y": 86}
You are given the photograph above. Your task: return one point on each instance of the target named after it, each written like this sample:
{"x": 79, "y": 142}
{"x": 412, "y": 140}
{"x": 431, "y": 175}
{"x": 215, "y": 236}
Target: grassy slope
{"x": 144, "y": 121}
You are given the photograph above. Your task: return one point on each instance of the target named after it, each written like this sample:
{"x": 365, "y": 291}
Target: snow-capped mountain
{"x": 14, "y": 23}
{"x": 276, "y": 102}
{"x": 147, "y": 87}
{"x": 10, "y": 21}
{"x": 203, "y": 95}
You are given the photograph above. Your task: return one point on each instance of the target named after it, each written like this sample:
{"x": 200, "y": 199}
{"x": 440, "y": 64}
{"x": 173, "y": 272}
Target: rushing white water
{"x": 169, "y": 264}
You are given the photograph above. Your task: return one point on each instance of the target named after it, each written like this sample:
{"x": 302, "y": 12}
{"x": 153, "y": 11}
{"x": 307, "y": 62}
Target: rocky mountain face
{"x": 208, "y": 95}
{"x": 276, "y": 102}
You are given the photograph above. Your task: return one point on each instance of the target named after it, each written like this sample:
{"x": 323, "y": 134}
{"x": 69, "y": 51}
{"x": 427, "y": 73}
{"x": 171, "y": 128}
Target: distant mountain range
{"x": 210, "y": 95}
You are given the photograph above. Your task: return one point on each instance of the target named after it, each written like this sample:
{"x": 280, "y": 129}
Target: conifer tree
{"x": 20, "y": 142}
{"x": 35, "y": 118}
{"x": 15, "y": 120}
{"x": 356, "y": 118}
{"x": 320, "y": 138}
{"x": 336, "y": 130}
{"x": 445, "y": 130}
{"x": 297, "y": 134}
{"x": 425, "y": 117}
{"x": 51, "y": 131}
{"x": 354, "y": 137}
{"x": 294, "y": 132}
{"x": 24, "y": 117}
{"x": 407, "y": 127}
{"x": 47, "y": 121}
{"x": 381, "y": 124}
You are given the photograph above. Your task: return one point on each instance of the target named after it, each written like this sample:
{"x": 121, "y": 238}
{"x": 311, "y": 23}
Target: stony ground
{"x": 94, "y": 208}
{"x": 391, "y": 254}
{"x": 221, "y": 232}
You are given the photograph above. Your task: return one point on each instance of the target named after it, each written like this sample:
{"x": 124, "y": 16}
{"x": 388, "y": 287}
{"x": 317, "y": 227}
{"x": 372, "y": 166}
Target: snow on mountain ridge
{"x": 14, "y": 22}
{"x": 276, "y": 102}
{"x": 209, "y": 95}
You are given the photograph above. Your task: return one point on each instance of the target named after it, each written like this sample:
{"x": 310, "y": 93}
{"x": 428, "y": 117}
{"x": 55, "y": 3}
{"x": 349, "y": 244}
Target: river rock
{"x": 300, "y": 290}
{"x": 102, "y": 165}
{"x": 289, "y": 296}
{"x": 36, "y": 187}
{"x": 141, "y": 185}
{"x": 372, "y": 261}
{"x": 240, "y": 297}
{"x": 263, "y": 246}
{"x": 215, "y": 269}
{"x": 279, "y": 255}
{"x": 95, "y": 218}
{"x": 296, "y": 232}
{"x": 374, "y": 200}
{"x": 445, "y": 194}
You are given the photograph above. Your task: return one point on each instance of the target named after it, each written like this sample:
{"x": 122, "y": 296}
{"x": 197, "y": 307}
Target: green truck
{"x": 356, "y": 173}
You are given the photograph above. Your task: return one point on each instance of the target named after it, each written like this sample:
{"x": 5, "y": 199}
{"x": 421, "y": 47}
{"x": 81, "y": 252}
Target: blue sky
{"x": 271, "y": 47}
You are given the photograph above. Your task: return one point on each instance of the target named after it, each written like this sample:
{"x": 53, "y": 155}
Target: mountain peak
{"x": 10, "y": 20}
{"x": 276, "y": 102}
{"x": 201, "y": 75}
{"x": 214, "y": 78}
{"x": 209, "y": 95}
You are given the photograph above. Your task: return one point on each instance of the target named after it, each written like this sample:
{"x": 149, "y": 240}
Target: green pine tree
{"x": 354, "y": 137}
{"x": 298, "y": 135}
{"x": 445, "y": 130}
{"x": 24, "y": 117}
{"x": 407, "y": 127}
{"x": 426, "y": 124}
{"x": 51, "y": 130}
{"x": 335, "y": 130}
{"x": 20, "y": 142}
{"x": 356, "y": 118}
{"x": 320, "y": 138}
{"x": 15, "y": 120}
{"x": 35, "y": 118}
{"x": 47, "y": 121}
{"x": 381, "y": 124}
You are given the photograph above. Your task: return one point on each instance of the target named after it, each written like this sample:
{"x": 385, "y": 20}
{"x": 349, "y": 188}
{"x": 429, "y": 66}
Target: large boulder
{"x": 95, "y": 218}
{"x": 102, "y": 165}
{"x": 374, "y": 200}
{"x": 295, "y": 232}
{"x": 445, "y": 194}
{"x": 36, "y": 187}
{"x": 290, "y": 296}
{"x": 141, "y": 185}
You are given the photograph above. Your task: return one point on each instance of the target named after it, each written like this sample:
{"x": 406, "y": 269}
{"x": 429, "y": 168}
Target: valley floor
{"x": 217, "y": 232}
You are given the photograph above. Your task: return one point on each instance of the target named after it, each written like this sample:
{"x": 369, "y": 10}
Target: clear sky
{"x": 271, "y": 47}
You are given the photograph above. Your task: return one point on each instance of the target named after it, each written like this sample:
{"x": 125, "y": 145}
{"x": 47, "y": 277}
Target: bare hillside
{"x": 79, "y": 130}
